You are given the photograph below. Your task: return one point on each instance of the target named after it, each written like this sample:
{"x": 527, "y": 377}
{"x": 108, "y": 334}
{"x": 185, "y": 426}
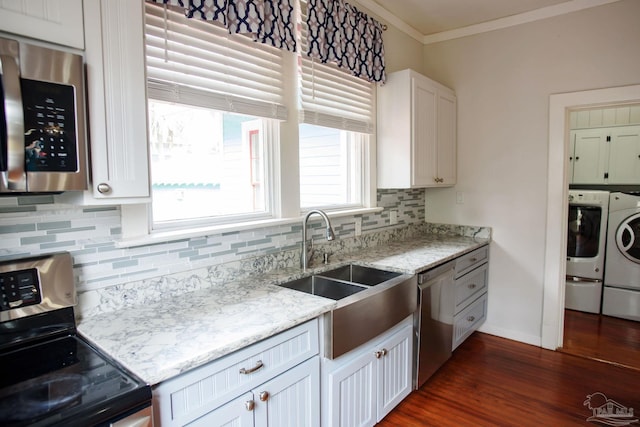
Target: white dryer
{"x": 621, "y": 295}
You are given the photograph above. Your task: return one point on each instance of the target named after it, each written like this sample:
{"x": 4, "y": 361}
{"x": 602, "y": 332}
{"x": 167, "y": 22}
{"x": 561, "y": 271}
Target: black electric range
{"x": 50, "y": 376}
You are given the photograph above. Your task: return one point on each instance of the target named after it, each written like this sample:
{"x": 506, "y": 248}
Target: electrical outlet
{"x": 460, "y": 197}
{"x": 358, "y": 227}
{"x": 393, "y": 217}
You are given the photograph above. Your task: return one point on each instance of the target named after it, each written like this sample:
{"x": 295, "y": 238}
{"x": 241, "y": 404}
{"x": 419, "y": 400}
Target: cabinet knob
{"x": 577, "y": 158}
{"x": 471, "y": 318}
{"x": 245, "y": 371}
{"x": 472, "y": 285}
{"x": 264, "y": 396}
{"x": 250, "y": 405}
{"x": 381, "y": 353}
{"x": 104, "y": 188}
{"x": 438, "y": 180}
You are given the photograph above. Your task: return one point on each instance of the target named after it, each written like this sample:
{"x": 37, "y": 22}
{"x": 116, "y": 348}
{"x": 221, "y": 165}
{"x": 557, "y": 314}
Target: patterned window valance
{"x": 340, "y": 33}
{"x": 269, "y": 21}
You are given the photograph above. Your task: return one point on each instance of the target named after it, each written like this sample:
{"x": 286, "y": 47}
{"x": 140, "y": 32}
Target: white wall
{"x": 503, "y": 80}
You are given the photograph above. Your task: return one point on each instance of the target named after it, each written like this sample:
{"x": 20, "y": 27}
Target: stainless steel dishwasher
{"x": 434, "y": 321}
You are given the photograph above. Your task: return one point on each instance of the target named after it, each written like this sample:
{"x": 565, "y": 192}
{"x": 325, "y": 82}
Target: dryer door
{"x": 628, "y": 238}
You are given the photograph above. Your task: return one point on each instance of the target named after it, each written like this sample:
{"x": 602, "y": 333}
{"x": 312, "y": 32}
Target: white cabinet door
{"x": 590, "y": 156}
{"x": 53, "y": 21}
{"x": 572, "y": 149}
{"x": 352, "y": 392}
{"x": 291, "y": 399}
{"x": 624, "y": 155}
{"x": 237, "y": 413}
{"x": 117, "y": 101}
{"x": 424, "y": 139}
{"x": 446, "y": 155}
{"x": 394, "y": 371}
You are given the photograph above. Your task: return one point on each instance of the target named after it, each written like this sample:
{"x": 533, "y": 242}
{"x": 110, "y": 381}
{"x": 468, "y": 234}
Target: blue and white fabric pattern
{"x": 269, "y": 21}
{"x": 340, "y": 33}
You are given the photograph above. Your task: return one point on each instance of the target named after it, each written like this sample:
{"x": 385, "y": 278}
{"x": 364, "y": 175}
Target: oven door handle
{"x": 12, "y": 173}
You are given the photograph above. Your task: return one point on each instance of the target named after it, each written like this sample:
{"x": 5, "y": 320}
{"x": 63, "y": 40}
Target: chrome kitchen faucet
{"x": 307, "y": 253}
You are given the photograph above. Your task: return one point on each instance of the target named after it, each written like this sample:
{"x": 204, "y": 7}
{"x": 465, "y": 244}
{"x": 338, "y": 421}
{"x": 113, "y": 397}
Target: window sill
{"x": 170, "y": 236}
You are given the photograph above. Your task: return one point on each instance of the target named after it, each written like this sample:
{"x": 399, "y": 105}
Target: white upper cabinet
{"x": 116, "y": 77}
{"x": 588, "y": 156}
{"x": 606, "y": 156}
{"x": 416, "y": 139}
{"x": 53, "y": 21}
{"x": 624, "y": 155}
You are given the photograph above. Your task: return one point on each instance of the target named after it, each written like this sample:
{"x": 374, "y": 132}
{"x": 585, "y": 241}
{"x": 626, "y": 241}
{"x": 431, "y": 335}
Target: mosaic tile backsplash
{"x": 36, "y": 224}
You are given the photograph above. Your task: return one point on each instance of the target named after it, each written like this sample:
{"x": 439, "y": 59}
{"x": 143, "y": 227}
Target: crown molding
{"x": 497, "y": 24}
{"x": 392, "y": 19}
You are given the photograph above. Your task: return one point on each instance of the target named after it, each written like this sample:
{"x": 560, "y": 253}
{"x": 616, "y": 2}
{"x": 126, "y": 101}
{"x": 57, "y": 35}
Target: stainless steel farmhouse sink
{"x": 324, "y": 287}
{"x": 369, "y": 302}
{"x": 360, "y": 274}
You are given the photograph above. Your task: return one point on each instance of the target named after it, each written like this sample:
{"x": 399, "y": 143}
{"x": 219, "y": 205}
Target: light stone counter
{"x": 160, "y": 340}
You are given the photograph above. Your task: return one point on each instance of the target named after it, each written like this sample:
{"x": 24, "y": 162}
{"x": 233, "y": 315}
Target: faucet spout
{"x": 307, "y": 253}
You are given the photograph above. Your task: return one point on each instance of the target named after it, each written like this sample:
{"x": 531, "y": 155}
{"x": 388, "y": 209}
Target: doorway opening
{"x": 560, "y": 106}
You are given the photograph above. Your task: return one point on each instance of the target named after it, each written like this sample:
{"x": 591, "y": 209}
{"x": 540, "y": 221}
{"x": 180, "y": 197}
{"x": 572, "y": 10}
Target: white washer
{"x": 586, "y": 242}
{"x": 621, "y": 295}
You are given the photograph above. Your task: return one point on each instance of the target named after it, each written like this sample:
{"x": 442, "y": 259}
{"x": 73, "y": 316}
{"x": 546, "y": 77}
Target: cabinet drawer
{"x": 470, "y": 286}
{"x": 468, "y": 262}
{"x": 468, "y": 320}
{"x": 197, "y": 392}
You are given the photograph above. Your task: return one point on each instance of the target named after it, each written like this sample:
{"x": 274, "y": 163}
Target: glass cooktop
{"x": 64, "y": 381}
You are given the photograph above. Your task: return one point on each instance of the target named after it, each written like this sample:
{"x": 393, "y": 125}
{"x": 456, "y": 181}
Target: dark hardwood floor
{"x": 492, "y": 381}
{"x": 603, "y": 338}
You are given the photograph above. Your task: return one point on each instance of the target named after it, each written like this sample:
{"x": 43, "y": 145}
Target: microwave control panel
{"x": 50, "y": 127}
{"x": 19, "y": 289}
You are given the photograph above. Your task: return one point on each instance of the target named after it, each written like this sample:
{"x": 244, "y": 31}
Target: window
{"x": 331, "y": 168}
{"x": 217, "y": 104}
{"x": 337, "y": 115}
{"x": 205, "y": 163}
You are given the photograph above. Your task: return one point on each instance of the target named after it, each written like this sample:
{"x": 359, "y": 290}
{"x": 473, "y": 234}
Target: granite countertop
{"x": 161, "y": 340}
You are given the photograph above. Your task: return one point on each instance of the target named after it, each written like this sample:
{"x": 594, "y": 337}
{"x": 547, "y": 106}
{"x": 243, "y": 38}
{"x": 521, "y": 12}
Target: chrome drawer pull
{"x": 259, "y": 365}
{"x": 471, "y": 318}
{"x": 472, "y": 285}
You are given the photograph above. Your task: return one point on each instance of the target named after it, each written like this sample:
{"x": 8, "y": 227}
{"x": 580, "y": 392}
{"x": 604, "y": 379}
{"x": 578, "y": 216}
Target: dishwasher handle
{"x": 436, "y": 272}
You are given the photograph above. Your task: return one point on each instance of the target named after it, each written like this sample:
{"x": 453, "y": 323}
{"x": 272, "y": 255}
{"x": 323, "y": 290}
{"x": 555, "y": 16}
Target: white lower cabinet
{"x": 471, "y": 284}
{"x": 364, "y": 385}
{"x": 290, "y": 399}
{"x": 274, "y": 382}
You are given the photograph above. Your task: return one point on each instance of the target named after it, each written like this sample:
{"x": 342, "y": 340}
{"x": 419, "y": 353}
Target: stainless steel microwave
{"x": 42, "y": 122}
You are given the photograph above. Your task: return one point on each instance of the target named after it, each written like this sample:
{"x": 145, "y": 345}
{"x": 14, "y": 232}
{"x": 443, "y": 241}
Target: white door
{"x": 394, "y": 371}
{"x": 446, "y": 150}
{"x": 352, "y": 393}
{"x": 291, "y": 399}
{"x": 54, "y": 21}
{"x": 590, "y": 157}
{"x": 624, "y": 155}
{"x": 423, "y": 156}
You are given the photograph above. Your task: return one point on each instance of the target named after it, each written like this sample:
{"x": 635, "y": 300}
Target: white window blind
{"x": 331, "y": 96}
{"x": 198, "y": 63}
